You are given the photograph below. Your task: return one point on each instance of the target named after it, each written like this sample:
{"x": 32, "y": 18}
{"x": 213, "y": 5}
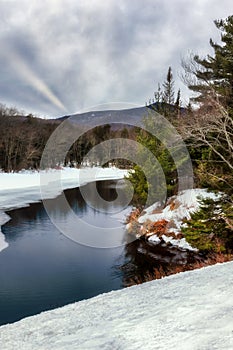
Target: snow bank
{"x": 178, "y": 208}
{"x": 184, "y": 203}
{"x": 191, "y": 310}
{"x": 26, "y": 179}
{"x": 3, "y": 243}
{"x": 19, "y": 189}
{"x": 3, "y": 219}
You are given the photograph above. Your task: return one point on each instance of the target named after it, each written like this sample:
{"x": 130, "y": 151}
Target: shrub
{"x": 210, "y": 228}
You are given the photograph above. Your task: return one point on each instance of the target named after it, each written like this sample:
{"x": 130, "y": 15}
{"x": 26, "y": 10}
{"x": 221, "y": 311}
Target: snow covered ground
{"x": 187, "y": 311}
{"x": 19, "y": 189}
{"x": 177, "y": 209}
{"x": 183, "y": 204}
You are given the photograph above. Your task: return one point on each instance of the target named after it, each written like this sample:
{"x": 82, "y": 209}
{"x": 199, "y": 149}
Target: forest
{"x": 24, "y": 137}
{"x": 205, "y": 125}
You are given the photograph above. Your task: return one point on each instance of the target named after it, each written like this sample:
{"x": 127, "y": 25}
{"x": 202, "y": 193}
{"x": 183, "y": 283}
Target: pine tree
{"x": 215, "y": 73}
{"x": 163, "y": 101}
{"x": 211, "y": 130}
{"x": 158, "y": 95}
{"x": 168, "y": 85}
{"x": 178, "y": 103}
{"x": 168, "y": 96}
{"x": 153, "y": 179}
{"x": 210, "y": 228}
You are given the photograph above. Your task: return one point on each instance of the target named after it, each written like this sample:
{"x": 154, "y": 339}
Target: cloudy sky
{"x": 61, "y": 56}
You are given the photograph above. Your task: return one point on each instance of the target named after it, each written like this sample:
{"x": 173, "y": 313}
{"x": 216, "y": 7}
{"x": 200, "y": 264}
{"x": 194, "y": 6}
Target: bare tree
{"x": 211, "y": 126}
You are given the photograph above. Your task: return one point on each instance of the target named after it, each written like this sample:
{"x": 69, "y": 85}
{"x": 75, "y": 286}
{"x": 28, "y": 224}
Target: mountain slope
{"x": 133, "y": 115}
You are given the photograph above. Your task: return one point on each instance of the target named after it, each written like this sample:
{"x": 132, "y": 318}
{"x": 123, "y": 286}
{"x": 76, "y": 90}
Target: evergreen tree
{"x": 158, "y": 95}
{"x": 154, "y": 163}
{"x": 168, "y": 85}
{"x": 164, "y": 101}
{"x": 178, "y": 103}
{"x": 211, "y": 127}
{"x": 210, "y": 228}
{"x": 215, "y": 73}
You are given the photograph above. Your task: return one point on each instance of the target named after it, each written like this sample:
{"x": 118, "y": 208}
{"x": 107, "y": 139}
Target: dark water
{"x": 43, "y": 269}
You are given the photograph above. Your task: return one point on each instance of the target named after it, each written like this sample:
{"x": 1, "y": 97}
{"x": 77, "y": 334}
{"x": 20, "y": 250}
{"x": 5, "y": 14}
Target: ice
{"x": 191, "y": 310}
{"x": 17, "y": 190}
{"x": 3, "y": 219}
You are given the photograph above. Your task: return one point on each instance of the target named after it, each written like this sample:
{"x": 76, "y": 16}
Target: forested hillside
{"x": 206, "y": 127}
{"x": 24, "y": 137}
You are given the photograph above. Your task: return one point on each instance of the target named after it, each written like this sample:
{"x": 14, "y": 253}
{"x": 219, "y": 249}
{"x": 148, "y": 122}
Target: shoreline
{"x": 18, "y": 190}
{"x": 159, "y": 223}
{"x": 161, "y": 241}
{"x": 194, "y": 307}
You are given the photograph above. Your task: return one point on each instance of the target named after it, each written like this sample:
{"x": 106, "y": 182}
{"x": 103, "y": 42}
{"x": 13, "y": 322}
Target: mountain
{"x": 117, "y": 118}
{"x": 124, "y": 116}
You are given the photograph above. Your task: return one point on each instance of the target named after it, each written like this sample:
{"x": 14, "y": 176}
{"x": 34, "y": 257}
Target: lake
{"x": 42, "y": 269}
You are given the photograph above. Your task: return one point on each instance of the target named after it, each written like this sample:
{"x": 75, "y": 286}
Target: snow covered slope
{"x": 188, "y": 311}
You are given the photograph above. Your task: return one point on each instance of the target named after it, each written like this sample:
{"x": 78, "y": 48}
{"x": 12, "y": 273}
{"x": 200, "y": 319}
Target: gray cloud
{"x": 68, "y": 54}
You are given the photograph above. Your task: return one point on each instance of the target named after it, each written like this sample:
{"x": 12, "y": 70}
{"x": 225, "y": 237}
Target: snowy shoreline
{"x": 177, "y": 208}
{"x": 190, "y": 310}
{"x": 18, "y": 190}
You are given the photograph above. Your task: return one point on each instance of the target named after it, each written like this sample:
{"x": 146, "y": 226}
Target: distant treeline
{"x": 23, "y": 139}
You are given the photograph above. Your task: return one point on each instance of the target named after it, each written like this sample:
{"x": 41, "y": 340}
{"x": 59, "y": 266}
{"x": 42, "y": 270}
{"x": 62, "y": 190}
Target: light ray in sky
{"x": 27, "y": 74}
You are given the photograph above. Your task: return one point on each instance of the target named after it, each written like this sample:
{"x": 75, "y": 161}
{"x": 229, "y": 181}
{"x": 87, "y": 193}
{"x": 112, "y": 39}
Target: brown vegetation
{"x": 160, "y": 271}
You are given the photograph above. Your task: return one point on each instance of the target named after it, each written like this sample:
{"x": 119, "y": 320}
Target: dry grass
{"x": 161, "y": 272}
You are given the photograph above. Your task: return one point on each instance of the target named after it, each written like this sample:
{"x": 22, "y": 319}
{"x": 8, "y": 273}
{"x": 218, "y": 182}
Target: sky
{"x": 61, "y": 57}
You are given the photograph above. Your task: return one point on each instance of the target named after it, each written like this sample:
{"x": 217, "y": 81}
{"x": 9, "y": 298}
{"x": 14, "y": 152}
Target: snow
{"x": 19, "y": 189}
{"x": 191, "y": 310}
{"x": 27, "y": 179}
{"x": 181, "y": 243}
{"x": 3, "y": 243}
{"x": 3, "y": 219}
{"x": 186, "y": 201}
{"x": 177, "y": 209}
{"x": 154, "y": 239}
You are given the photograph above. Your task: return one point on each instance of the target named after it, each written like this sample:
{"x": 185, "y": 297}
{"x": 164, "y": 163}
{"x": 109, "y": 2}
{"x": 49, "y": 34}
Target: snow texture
{"x": 185, "y": 202}
{"x": 178, "y": 208}
{"x": 188, "y": 311}
{"x": 17, "y": 190}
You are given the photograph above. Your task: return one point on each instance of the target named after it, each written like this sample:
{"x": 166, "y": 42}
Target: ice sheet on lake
{"x": 3, "y": 219}
{"x": 17, "y": 190}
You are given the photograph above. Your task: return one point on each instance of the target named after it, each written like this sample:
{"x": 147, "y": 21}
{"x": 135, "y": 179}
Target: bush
{"x": 211, "y": 228}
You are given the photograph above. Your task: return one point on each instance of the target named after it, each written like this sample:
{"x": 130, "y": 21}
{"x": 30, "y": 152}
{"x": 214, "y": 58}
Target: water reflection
{"x": 145, "y": 261}
{"x": 92, "y": 230}
{"x": 42, "y": 269}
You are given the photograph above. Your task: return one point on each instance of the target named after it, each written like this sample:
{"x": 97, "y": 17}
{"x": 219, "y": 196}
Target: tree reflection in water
{"x": 146, "y": 261}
